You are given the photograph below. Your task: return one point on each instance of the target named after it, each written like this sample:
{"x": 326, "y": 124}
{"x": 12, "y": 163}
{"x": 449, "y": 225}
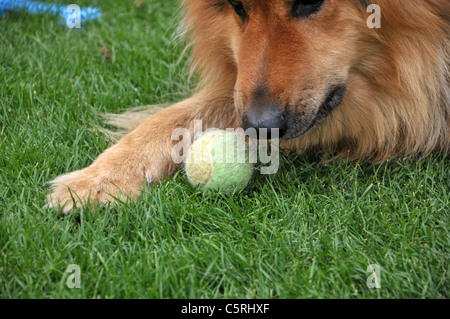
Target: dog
{"x": 315, "y": 70}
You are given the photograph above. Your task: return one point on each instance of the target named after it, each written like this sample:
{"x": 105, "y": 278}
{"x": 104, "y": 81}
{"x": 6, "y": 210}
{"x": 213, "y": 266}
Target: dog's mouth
{"x": 300, "y": 126}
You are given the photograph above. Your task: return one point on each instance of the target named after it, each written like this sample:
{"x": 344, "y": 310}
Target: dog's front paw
{"x": 88, "y": 186}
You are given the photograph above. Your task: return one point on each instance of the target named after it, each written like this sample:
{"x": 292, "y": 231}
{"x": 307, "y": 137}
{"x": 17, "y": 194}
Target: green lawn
{"x": 309, "y": 231}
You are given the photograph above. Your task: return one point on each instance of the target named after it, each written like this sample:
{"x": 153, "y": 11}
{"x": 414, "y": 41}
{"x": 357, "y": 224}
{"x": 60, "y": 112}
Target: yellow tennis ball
{"x": 219, "y": 160}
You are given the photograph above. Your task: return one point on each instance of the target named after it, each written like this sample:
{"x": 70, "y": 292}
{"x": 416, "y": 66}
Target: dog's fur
{"x": 395, "y": 79}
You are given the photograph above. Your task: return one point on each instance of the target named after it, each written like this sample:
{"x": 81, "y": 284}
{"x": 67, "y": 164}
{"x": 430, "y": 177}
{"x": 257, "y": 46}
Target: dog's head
{"x": 293, "y": 59}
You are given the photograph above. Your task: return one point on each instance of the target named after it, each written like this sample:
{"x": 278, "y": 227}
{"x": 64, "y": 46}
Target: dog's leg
{"x": 142, "y": 155}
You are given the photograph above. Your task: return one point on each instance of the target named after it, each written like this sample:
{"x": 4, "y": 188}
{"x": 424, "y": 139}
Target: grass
{"x": 308, "y": 232}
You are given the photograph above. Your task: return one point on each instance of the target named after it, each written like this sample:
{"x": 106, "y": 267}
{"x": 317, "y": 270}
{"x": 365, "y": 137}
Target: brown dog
{"x": 317, "y": 70}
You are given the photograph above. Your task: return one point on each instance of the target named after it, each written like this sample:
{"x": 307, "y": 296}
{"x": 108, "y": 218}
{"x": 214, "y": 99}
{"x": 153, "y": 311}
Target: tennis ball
{"x": 218, "y": 160}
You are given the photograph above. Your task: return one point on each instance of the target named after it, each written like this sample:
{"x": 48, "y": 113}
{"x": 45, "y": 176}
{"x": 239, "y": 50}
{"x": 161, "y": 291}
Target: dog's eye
{"x": 304, "y": 8}
{"x": 239, "y": 8}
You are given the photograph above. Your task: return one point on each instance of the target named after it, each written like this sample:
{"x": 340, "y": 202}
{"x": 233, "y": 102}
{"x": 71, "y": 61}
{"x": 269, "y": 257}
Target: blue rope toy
{"x": 35, "y": 7}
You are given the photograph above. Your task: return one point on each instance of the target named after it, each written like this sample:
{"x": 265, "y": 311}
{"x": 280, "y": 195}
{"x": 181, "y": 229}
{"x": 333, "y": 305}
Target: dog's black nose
{"x": 271, "y": 118}
{"x": 264, "y": 113}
